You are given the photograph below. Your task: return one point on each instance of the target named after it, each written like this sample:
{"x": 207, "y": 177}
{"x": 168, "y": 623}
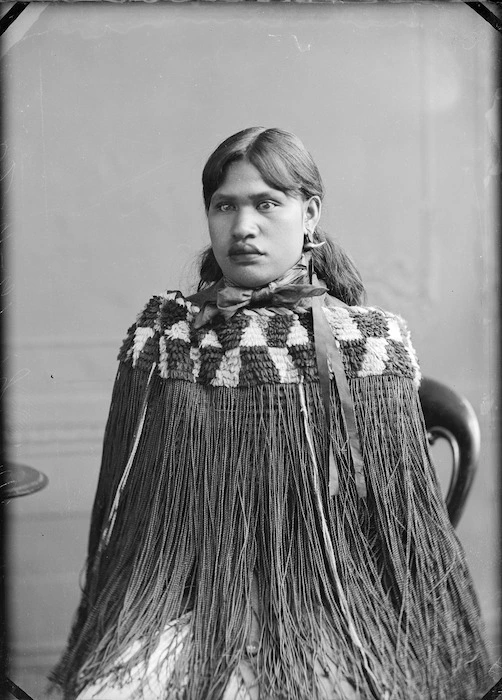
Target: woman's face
{"x": 257, "y": 231}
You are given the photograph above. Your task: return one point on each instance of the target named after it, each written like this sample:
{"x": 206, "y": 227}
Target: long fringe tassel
{"x": 375, "y": 593}
{"x": 439, "y": 650}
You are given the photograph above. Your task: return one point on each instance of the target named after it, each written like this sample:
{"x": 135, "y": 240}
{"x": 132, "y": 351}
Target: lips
{"x": 238, "y": 249}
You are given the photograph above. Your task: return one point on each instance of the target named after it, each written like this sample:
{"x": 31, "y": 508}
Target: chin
{"x": 256, "y": 274}
{"x": 251, "y": 279}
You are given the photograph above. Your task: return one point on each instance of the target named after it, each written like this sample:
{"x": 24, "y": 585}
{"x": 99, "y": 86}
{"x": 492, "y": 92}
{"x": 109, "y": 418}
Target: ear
{"x": 312, "y": 213}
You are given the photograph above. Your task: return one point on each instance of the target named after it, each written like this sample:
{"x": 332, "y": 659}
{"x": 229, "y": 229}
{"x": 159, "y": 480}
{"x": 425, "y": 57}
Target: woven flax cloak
{"x": 209, "y": 481}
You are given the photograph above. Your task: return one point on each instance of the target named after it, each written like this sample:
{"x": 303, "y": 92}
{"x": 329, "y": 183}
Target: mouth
{"x": 243, "y": 251}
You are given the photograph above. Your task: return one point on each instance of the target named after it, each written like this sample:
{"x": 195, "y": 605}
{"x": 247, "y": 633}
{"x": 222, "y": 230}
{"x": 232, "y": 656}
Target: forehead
{"x": 243, "y": 178}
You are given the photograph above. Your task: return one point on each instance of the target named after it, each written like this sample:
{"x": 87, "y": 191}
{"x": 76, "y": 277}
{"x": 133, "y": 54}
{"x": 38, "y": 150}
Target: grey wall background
{"x": 111, "y": 111}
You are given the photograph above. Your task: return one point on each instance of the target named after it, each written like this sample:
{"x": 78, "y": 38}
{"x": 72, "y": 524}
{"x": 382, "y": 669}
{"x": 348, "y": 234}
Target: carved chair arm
{"x": 451, "y": 417}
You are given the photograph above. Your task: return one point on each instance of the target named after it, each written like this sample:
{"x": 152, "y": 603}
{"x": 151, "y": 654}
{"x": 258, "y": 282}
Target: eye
{"x": 267, "y": 205}
{"x": 223, "y": 207}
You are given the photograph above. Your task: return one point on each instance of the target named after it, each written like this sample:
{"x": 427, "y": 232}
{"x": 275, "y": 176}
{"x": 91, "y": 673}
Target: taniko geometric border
{"x": 261, "y": 346}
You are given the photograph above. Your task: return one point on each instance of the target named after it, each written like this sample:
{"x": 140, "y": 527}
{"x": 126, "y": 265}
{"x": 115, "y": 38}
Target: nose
{"x": 244, "y": 223}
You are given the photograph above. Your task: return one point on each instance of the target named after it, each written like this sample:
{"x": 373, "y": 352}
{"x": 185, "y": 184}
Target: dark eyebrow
{"x": 266, "y": 194}
{"x": 222, "y": 195}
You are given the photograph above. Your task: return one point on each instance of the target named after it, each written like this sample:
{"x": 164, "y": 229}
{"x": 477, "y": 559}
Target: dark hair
{"x": 284, "y": 164}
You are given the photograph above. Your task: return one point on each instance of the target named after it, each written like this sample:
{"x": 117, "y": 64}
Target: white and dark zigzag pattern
{"x": 259, "y": 346}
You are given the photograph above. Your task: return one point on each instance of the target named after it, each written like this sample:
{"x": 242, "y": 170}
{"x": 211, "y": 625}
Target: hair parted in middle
{"x": 284, "y": 164}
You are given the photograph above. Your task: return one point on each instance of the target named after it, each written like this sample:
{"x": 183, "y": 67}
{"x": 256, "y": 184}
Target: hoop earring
{"x": 308, "y": 241}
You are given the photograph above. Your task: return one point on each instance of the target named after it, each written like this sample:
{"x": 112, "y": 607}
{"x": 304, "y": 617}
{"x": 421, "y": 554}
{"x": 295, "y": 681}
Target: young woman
{"x": 267, "y": 522}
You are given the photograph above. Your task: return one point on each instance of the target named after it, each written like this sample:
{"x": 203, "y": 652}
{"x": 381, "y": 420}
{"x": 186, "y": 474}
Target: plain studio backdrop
{"x": 110, "y": 113}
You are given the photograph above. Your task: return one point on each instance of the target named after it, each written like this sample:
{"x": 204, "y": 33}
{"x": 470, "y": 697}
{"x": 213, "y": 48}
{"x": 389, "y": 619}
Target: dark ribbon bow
{"x": 229, "y": 299}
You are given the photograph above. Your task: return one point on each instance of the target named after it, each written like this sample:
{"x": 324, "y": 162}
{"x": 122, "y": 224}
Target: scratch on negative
{"x": 301, "y": 47}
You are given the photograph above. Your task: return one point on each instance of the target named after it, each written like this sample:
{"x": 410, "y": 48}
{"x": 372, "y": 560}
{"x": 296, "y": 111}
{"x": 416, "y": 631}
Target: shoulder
{"x": 373, "y": 341}
{"x": 168, "y": 314}
{"x": 165, "y": 308}
{"x": 352, "y": 323}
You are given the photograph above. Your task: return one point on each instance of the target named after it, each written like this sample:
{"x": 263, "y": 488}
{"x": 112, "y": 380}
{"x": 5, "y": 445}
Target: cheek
{"x": 218, "y": 245}
{"x": 215, "y": 235}
{"x": 293, "y": 236}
